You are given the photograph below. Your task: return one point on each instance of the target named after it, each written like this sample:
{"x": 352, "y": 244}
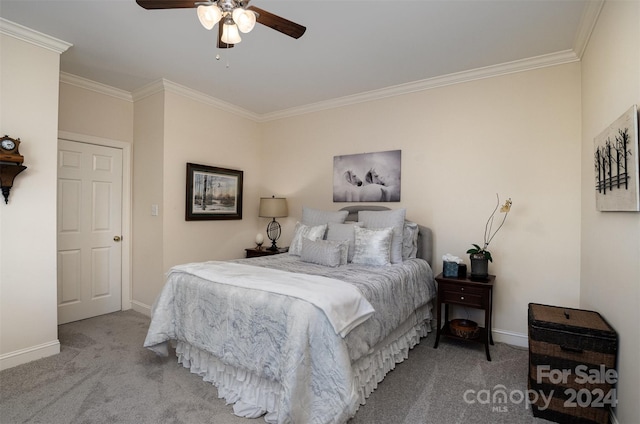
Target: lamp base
{"x": 273, "y": 232}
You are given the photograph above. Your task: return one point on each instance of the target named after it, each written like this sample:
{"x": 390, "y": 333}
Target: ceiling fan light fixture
{"x": 231, "y": 16}
{"x": 230, "y": 34}
{"x": 244, "y": 19}
{"x": 209, "y": 15}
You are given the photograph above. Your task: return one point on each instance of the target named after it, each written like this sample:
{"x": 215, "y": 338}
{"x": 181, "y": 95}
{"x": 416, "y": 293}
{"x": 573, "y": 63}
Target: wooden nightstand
{"x": 472, "y": 294}
{"x": 254, "y": 253}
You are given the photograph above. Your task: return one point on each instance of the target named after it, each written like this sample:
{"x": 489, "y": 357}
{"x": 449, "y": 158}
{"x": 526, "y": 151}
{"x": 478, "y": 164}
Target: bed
{"x": 306, "y": 336}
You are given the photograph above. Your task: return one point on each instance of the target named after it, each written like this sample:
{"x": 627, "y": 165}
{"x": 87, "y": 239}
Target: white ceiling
{"x": 350, "y": 47}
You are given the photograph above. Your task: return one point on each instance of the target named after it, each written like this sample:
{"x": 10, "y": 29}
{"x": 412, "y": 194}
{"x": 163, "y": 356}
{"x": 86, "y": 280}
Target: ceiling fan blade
{"x": 222, "y": 44}
{"x": 166, "y": 4}
{"x": 283, "y": 25}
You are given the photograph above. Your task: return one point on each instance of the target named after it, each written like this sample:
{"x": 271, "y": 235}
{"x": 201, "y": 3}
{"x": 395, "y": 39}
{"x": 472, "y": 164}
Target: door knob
{"x": 117, "y": 238}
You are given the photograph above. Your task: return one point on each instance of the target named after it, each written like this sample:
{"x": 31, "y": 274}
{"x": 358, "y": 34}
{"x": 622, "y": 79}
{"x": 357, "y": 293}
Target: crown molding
{"x": 587, "y": 24}
{"x": 164, "y": 85}
{"x": 70, "y": 79}
{"x": 553, "y": 59}
{"x": 31, "y": 36}
{"x": 171, "y": 87}
{"x": 148, "y": 90}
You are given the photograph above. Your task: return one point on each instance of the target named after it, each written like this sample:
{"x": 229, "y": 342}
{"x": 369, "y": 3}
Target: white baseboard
{"x": 22, "y": 356}
{"x": 141, "y": 307}
{"x": 509, "y": 337}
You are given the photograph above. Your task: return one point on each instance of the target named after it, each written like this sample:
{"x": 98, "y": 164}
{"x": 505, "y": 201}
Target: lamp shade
{"x": 245, "y": 19}
{"x": 209, "y": 15}
{"x": 273, "y": 207}
{"x": 230, "y": 34}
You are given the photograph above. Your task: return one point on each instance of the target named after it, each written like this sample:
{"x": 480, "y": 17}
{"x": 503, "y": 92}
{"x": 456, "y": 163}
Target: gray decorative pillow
{"x": 410, "y": 240}
{"x": 344, "y": 231}
{"x": 385, "y": 219}
{"x": 317, "y": 217}
{"x": 324, "y": 252}
{"x": 304, "y": 231}
{"x": 373, "y": 247}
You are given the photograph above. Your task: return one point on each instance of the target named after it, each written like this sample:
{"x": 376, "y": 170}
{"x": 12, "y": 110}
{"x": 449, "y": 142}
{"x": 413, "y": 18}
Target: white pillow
{"x": 385, "y": 219}
{"x": 304, "y": 231}
{"x": 317, "y": 217}
{"x": 373, "y": 247}
{"x": 346, "y": 232}
{"x": 324, "y": 252}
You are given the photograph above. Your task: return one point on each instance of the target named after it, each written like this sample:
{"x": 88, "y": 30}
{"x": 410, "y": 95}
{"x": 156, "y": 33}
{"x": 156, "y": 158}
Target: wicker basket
{"x": 464, "y": 328}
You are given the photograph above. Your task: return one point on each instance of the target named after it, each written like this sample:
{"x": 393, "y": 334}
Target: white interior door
{"x": 89, "y": 230}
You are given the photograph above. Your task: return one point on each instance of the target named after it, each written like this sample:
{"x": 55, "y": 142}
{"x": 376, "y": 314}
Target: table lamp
{"x": 273, "y": 207}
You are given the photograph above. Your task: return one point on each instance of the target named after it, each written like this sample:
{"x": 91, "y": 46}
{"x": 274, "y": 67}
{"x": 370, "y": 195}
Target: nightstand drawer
{"x": 462, "y": 289}
{"x": 459, "y": 298}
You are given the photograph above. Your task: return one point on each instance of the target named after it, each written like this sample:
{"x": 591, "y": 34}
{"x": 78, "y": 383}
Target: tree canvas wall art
{"x": 616, "y": 164}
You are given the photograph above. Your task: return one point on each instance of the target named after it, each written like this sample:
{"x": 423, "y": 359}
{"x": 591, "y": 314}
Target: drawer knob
{"x": 461, "y": 297}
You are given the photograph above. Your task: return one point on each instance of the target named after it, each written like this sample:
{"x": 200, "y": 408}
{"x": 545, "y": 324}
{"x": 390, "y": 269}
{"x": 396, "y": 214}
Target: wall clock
{"x": 10, "y": 164}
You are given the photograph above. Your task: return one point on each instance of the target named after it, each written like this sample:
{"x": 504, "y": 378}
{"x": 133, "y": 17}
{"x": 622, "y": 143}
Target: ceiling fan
{"x": 232, "y": 16}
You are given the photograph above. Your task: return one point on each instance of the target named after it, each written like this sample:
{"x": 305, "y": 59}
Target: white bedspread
{"x": 342, "y": 303}
{"x": 279, "y": 353}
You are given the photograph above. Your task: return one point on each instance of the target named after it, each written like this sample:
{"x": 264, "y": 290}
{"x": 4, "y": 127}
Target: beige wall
{"x": 172, "y": 129}
{"x": 148, "y": 168}
{"x": 611, "y": 240}
{"x": 91, "y": 112}
{"x": 227, "y": 141}
{"x": 517, "y": 135}
{"x": 29, "y": 110}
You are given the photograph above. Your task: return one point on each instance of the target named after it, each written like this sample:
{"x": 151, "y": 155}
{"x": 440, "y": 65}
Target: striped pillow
{"x": 324, "y": 252}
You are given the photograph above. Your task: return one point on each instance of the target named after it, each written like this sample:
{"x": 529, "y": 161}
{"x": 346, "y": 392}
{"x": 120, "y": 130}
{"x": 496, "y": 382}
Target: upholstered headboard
{"x": 425, "y": 236}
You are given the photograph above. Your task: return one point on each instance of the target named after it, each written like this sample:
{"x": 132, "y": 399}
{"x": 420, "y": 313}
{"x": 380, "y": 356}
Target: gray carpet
{"x": 104, "y": 375}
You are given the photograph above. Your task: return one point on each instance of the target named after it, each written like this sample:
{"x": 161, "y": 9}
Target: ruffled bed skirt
{"x": 371, "y": 369}
{"x": 254, "y": 396}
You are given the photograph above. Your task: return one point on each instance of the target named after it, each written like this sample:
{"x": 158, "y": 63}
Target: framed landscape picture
{"x": 213, "y": 193}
